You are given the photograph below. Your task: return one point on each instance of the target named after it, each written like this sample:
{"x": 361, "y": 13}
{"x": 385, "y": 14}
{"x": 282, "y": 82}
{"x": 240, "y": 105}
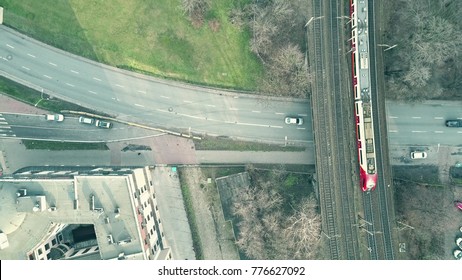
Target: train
{"x": 362, "y": 96}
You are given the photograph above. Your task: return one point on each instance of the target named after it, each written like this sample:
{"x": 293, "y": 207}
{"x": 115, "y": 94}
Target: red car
{"x": 458, "y": 204}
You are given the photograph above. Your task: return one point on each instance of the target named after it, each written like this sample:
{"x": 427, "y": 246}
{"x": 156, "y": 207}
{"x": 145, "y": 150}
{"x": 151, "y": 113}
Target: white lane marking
{"x": 301, "y": 128}
{"x": 115, "y": 99}
{"x": 10, "y": 46}
{"x": 3, "y": 123}
{"x": 393, "y": 131}
{"x": 210, "y": 105}
{"x": 416, "y": 117}
{"x": 438, "y": 131}
{"x": 438, "y": 118}
{"x": 391, "y": 117}
{"x": 46, "y": 76}
{"x": 90, "y": 91}
{"x": 459, "y": 118}
{"x": 459, "y": 131}
{"x": 94, "y": 78}
{"x": 25, "y": 67}
{"x": 234, "y": 109}
{"x": 139, "y": 105}
{"x": 418, "y": 131}
{"x": 51, "y": 63}
{"x": 280, "y": 114}
{"x": 163, "y": 96}
{"x": 75, "y": 72}
{"x": 31, "y": 55}
{"x": 71, "y": 85}
{"x": 256, "y": 111}
{"x": 187, "y": 101}
{"x": 6, "y": 126}
{"x": 303, "y": 115}
{"x": 117, "y": 85}
{"x": 141, "y": 91}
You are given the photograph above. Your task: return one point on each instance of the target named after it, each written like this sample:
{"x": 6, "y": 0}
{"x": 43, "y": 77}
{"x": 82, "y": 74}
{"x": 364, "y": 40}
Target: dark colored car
{"x": 454, "y": 123}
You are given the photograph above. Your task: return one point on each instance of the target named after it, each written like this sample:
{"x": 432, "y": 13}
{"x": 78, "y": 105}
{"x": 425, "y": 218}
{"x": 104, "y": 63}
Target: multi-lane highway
{"x": 142, "y": 99}
{"x": 35, "y": 127}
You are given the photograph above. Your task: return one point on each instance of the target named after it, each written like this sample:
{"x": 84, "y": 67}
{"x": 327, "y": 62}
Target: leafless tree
{"x": 195, "y": 9}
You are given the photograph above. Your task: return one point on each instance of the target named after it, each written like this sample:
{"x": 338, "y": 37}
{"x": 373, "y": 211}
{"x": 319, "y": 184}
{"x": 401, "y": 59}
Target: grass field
{"x": 62, "y": 146}
{"x": 147, "y": 36}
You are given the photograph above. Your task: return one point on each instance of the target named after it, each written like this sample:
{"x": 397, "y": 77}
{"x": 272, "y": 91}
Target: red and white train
{"x": 361, "y": 85}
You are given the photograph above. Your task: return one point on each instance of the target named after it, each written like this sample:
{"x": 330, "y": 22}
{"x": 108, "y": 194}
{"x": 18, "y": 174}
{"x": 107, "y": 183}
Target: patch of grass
{"x": 221, "y": 171}
{"x": 152, "y": 37}
{"x": 197, "y": 244}
{"x": 32, "y": 97}
{"x": 62, "y": 146}
{"x": 226, "y": 144}
{"x": 426, "y": 174}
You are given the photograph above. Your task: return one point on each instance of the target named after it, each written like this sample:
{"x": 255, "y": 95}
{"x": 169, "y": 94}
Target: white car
{"x": 294, "y": 120}
{"x": 54, "y": 117}
{"x": 418, "y": 155}
{"x": 86, "y": 120}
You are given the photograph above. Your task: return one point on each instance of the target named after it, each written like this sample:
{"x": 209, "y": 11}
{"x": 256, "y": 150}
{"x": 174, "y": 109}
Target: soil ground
{"x": 215, "y": 233}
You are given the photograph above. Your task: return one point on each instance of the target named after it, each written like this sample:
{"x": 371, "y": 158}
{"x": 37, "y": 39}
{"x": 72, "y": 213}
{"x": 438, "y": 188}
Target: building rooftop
{"x": 104, "y": 201}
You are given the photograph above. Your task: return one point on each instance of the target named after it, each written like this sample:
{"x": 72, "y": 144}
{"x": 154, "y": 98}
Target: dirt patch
{"x": 215, "y": 233}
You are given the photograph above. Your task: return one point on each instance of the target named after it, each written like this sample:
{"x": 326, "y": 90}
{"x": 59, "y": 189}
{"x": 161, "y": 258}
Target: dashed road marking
{"x": 392, "y": 117}
{"x": 256, "y": 111}
{"x": 117, "y": 85}
{"x": 459, "y": 131}
{"x": 234, "y": 109}
{"x": 51, "y": 63}
{"x": 71, "y": 85}
{"x": 9, "y": 46}
{"x": 393, "y": 131}
{"x": 301, "y": 128}
{"x": 31, "y": 55}
{"x": 46, "y": 76}
{"x": 187, "y": 101}
{"x": 75, "y": 72}
{"x": 138, "y": 105}
{"x": 416, "y": 117}
{"x": 166, "y": 97}
{"x": 438, "y": 131}
{"x": 438, "y": 118}
{"x": 90, "y": 91}
{"x": 279, "y": 113}
{"x": 142, "y": 91}
{"x": 210, "y": 105}
{"x": 25, "y": 67}
{"x": 94, "y": 78}
{"x": 418, "y": 131}
{"x": 303, "y": 115}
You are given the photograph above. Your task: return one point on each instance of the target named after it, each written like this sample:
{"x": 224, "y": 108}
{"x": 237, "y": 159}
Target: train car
{"x": 362, "y": 96}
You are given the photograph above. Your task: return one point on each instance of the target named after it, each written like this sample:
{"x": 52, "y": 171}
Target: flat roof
{"x": 104, "y": 201}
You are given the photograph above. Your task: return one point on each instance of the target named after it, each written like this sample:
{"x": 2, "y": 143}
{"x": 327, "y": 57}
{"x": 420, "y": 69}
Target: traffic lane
{"x": 438, "y": 110}
{"x": 112, "y": 92}
{"x": 36, "y": 127}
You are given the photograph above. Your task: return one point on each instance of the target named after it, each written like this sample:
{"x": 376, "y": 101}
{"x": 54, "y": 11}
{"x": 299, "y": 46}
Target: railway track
{"x": 322, "y": 137}
{"x": 381, "y": 146}
{"x": 344, "y": 126}
{"x": 332, "y": 116}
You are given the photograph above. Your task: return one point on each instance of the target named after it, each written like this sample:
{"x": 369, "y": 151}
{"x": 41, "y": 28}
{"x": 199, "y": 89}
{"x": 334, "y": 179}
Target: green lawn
{"x": 148, "y": 36}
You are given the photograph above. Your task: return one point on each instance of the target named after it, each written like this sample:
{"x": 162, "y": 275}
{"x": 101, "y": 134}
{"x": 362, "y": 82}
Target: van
{"x": 86, "y": 120}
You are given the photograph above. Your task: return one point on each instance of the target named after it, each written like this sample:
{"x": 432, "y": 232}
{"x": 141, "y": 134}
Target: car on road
{"x": 418, "y": 155}
{"x": 86, "y": 120}
{"x": 103, "y": 124}
{"x": 54, "y": 117}
{"x": 454, "y": 123}
{"x": 458, "y": 205}
{"x": 294, "y": 120}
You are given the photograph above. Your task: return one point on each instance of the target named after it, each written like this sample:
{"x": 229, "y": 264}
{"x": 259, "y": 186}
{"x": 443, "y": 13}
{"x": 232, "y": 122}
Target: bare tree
{"x": 287, "y": 73}
{"x": 195, "y": 9}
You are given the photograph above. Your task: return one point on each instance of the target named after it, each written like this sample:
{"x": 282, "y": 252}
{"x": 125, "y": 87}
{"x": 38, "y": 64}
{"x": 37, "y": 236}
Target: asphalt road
{"x": 35, "y": 127}
{"x": 423, "y": 123}
{"x": 146, "y": 100}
